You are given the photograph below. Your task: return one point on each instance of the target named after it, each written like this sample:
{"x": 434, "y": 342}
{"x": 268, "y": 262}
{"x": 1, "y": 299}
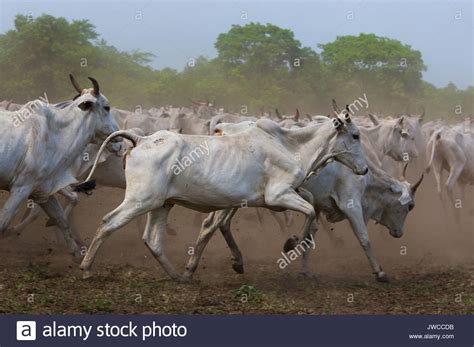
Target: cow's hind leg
{"x": 113, "y": 221}
{"x": 237, "y": 259}
{"x": 30, "y": 215}
{"x": 208, "y": 228}
{"x": 153, "y": 238}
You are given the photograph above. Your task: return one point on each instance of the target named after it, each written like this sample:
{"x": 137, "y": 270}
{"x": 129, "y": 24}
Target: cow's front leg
{"x": 291, "y": 200}
{"x": 360, "y": 230}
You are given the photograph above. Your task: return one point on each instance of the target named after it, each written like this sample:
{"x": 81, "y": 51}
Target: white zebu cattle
{"x": 339, "y": 194}
{"x": 451, "y": 149}
{"x": 261, "y": 167}
{"x": 39, "y": 153}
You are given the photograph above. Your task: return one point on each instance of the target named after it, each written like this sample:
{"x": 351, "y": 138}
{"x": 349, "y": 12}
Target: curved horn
{"x": 423, "y": 111}
{"x": 297, "y": 117}
{"x": 404, "y": 174}
{"x": 96, "y": 86}
{"x": 76, "y": 85}
{"x": 335, "y": 107}
{"x": 414, "y": 187}
{"x": 8, "y": 104}
{"x": 278, "y": 113}
{"x": 374, "y": 119}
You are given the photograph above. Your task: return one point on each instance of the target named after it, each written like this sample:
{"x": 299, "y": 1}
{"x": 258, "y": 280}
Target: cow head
{"x": 96, "y": 108}
{"x": 400, "y": 141}
{"x": 397, "y": 201}
{"x": 347, "y": 143}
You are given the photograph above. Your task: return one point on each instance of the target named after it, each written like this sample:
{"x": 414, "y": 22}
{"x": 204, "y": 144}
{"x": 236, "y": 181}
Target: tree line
{"x": 259, "y": 67}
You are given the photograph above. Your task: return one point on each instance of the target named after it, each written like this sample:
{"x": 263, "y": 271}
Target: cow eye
{"x": 410, "y": 207}
{"x": 107, "y": 108}
{"x": 86, "y": 105}
{"x": 355, "y": 137}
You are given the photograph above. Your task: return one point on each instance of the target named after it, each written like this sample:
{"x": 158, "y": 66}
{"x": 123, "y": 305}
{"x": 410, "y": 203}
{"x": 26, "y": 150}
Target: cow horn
{"x": 75, "y": 84}
{"x": 278, "y": 113}
{"x": 8, "y": 104}
{"x": 297, "y": 117}
{"x": 374, "y": 119}
{"x": 335, "y": 107}
{"x": 96, "y": 85}
{"x": 404, "y": 174}
{"x": 423, "y": 111}
{"x": 414, "y": 187}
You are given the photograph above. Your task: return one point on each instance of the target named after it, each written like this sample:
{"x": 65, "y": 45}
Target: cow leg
{"x": 454, "y": 174}
{"x": 30, "y": 215}
{"x": 302, "y": 202}
{"x": 260, "y": 219}
{"x": 122, "y": 215}
{"x": 237, "y": 259}
{"x": 208, "y": 228}
{"x": 288, "y": 218}
{"x": 153, "y": 238}
{"x": 54, "y": 210}
{"x": 360, "y": 230}
{"x": 11, "y": 208}
{"x": 73, "y": 198}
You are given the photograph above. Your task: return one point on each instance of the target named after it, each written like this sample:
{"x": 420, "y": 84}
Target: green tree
{"x": 381, "y": 67}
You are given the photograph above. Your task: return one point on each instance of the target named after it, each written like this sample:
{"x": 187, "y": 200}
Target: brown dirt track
{"x": 435, "y": 276}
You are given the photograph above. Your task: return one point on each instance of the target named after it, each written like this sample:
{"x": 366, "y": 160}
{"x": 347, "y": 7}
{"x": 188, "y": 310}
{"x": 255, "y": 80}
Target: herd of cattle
{"x": 341, "y": 166}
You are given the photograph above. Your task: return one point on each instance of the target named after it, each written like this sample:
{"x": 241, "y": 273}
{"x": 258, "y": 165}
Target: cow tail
{"x": 88, "y": 183}
{"x": 433, "y": 141}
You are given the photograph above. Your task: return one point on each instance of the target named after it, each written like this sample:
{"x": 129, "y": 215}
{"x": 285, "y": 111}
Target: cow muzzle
{"x": 396, "y": 233}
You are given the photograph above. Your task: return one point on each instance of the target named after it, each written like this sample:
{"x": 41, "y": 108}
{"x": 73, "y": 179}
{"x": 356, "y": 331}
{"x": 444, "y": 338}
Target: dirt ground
{"x": 431, "y": 267}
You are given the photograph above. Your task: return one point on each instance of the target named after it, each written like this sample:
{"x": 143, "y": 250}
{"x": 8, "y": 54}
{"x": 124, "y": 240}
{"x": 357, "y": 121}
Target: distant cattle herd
{"x": 343, "y": 166}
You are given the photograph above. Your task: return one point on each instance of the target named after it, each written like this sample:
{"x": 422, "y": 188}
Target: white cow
{"x": 451, "y": 149}
{"x": 39, "y": 145}
{"x": 339, "y": 194}
{"x": 261, "y": 167}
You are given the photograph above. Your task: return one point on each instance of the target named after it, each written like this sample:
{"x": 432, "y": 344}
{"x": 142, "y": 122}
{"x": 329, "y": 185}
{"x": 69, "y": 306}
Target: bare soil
{"x": 430, "y": 267}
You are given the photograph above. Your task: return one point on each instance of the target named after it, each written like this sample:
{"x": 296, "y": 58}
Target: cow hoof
{"x": 86, "y": 274}
{"x": 239, "y": 268}
{"x": 290, "y": 244}
{"x": 183, "y": 279}
{"x": 307, "y": 274}
{"x": 382, "y": 277}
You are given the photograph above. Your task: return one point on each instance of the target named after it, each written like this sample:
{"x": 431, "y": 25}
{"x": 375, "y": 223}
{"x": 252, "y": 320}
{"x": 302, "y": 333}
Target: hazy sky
{"x": 180, "y": 30}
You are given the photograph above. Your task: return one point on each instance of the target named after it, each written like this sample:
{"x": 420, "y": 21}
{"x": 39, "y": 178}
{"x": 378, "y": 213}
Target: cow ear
{"x": 86, "y": 105}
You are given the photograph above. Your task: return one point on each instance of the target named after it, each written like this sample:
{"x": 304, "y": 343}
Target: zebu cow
{"x": 451, "y": 149}
{"x": 190, "y": 124}
{"x": 339, "y": 194}
{"x": 38, "y": 153}
{"x": 261, "y": 167}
